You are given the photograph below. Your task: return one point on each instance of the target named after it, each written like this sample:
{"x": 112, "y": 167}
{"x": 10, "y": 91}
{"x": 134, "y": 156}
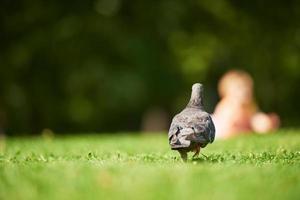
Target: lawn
{"x": 141, "y": 166}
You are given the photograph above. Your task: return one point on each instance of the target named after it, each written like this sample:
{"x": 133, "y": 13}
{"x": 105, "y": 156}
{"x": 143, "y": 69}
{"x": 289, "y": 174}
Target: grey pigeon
{"x": 192, "y": 128}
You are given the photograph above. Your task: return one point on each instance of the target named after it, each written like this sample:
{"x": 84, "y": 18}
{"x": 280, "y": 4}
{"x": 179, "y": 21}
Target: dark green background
{"x": 98, "y": 65}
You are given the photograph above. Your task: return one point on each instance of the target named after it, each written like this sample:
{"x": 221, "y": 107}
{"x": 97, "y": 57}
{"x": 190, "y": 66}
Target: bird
{"x": 192, "y": 128}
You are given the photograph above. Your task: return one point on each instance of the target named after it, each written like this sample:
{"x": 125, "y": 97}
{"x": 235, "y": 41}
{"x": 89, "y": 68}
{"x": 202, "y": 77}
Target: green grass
{"x": 141, "y": 166}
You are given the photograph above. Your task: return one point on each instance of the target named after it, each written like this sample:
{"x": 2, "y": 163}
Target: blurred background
{"x": 118, "y": 65}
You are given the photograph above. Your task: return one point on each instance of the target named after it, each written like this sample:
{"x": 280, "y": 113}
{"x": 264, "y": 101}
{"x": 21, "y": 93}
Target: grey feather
{"x": 192, "y": 126}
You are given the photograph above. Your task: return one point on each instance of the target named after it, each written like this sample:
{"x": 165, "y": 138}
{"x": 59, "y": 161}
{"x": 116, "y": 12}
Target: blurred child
{"x": 237, "y": 112}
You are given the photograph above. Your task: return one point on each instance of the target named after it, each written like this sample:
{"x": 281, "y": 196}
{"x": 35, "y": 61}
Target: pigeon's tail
{"x": 179, "y": 142}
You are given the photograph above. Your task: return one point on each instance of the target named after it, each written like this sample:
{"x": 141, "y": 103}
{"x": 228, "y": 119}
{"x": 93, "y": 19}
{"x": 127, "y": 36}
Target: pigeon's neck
{"x": 196, "y": 100}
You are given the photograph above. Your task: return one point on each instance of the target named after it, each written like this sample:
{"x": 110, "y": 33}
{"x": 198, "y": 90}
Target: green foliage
{"x": 81, "y": 66}
{"x": 143, "y": 167}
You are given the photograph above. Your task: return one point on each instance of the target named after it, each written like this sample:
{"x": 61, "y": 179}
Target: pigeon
{"x": 192, "y": 128}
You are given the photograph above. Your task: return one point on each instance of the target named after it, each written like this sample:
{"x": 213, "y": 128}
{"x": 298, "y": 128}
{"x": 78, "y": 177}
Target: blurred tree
{"x": 87, "y": 66}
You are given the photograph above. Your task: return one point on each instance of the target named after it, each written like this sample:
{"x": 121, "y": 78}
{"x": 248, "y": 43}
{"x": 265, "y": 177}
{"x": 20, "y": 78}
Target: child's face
{"x": 239, "y": 90}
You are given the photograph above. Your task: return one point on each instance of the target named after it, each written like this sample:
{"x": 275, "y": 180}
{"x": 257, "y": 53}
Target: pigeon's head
{"x": 197, "y": 88}
{"x": 197, "y": 96}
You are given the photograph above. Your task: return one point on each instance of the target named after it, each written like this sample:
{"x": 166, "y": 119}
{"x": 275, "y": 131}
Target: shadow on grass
{"x": 200, "y": 160}
{"x": 208, "y": 159}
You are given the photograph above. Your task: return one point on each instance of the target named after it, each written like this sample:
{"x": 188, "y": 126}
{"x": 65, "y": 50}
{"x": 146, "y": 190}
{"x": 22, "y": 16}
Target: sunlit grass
{"x": 141, "y": 166}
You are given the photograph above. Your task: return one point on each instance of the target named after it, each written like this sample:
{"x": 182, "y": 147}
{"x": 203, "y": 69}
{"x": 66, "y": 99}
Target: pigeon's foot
{"x": 197, "y": 151}
{"x": 183, "y": 155}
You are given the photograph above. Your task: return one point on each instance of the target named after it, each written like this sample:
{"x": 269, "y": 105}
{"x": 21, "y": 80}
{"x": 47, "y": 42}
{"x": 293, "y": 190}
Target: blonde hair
{"x": 232, "y": 76}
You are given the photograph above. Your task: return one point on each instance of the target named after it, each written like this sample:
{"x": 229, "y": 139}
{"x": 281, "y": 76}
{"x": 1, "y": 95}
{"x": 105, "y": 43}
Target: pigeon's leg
{"x": 183, "y": 155}
{"x": 197, "y": 151}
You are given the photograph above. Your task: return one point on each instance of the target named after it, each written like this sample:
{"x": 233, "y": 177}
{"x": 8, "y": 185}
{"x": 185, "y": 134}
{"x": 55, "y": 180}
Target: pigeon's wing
{"x": 208, "y": 129}
{"x": 178, "y": 131}
{"x": 174, "y": 128}
{"x": 211, "y": 130}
